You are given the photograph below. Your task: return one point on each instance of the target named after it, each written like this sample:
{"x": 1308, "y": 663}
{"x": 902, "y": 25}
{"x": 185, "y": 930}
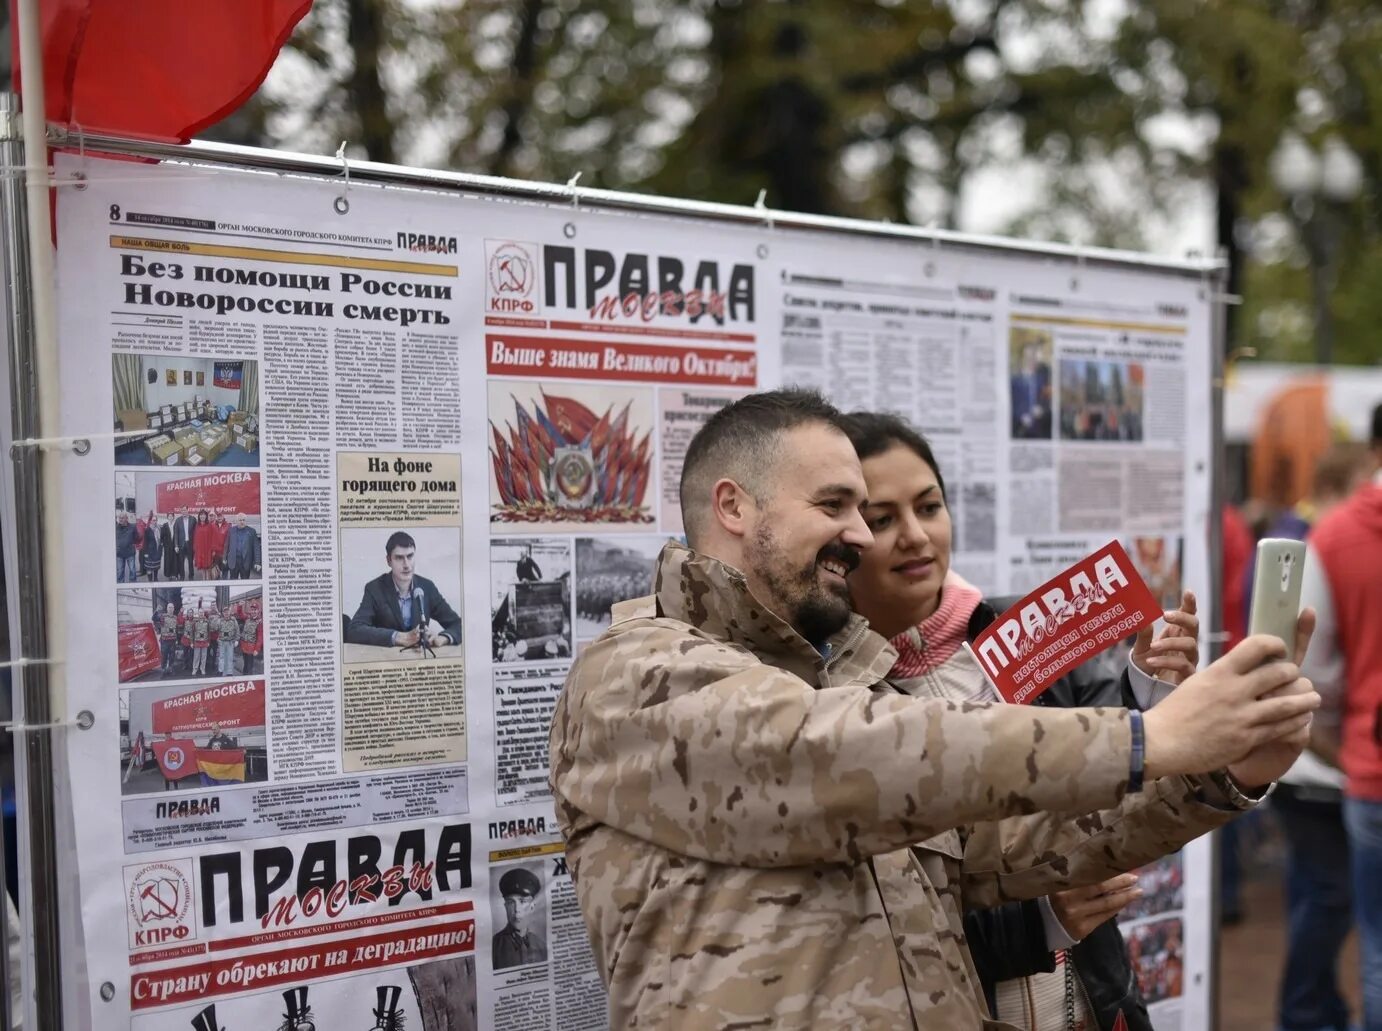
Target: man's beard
{"x": 815, "y": 610}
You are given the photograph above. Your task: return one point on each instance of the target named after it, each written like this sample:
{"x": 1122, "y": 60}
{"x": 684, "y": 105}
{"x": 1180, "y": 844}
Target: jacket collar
{"x": 715, "y": 597}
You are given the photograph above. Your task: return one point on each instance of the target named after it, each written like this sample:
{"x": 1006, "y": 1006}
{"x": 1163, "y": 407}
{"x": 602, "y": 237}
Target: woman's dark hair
{"x": 873, "y": 433}
{"x": 203, "y": 517}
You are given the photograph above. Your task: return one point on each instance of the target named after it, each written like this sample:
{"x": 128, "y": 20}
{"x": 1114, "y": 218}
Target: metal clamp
{"x": 342, "y": 201}
{"x": 84, "y": 720}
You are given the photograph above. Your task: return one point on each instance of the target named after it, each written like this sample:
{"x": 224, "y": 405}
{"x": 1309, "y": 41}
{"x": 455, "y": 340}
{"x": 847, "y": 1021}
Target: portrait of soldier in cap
{"x": 299, "y": 1014}
{"x": 519, "y": 943}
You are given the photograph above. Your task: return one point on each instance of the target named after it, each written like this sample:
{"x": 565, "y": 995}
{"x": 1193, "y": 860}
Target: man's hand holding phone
{"x": 1249, "y": 710}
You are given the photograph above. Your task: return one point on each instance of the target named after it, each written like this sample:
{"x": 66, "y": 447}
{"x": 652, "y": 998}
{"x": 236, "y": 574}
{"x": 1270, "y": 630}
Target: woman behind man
{"x": 906, "y": 589}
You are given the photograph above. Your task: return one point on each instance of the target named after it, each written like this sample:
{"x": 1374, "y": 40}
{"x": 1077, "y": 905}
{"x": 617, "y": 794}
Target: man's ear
{"x": 732, "y": 507}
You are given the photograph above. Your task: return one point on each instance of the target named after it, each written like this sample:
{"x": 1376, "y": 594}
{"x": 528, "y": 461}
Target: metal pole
{"x": 1218, "y": 467}
{"x": 34, "y": 750}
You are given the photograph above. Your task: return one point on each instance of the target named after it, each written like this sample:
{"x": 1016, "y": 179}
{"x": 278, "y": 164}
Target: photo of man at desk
{"x": 399, "y": 608}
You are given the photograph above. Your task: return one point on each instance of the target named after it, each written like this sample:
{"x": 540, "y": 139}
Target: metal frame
{"x": 33, "y": 752}
{"x": 199, "y": 152}
{"x": 29, "y": 526}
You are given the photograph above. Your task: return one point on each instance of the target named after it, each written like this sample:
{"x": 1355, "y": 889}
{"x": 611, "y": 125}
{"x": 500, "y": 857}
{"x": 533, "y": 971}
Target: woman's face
{"x": 898, "y": 582}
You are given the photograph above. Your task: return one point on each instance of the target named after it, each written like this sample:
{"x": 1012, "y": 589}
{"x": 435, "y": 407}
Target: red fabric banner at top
{"x": 232, "y": 706}
{"x": 163, "y": 69}
{"x": 230, "y": 492}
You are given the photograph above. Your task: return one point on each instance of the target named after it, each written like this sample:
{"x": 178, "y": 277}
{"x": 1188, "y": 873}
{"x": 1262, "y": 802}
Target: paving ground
{"x": 1251, "y": 957}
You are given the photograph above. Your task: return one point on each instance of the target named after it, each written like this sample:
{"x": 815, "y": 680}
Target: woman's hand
{"x": 1175, "y": 654}
{"x": 1080, "y": 910}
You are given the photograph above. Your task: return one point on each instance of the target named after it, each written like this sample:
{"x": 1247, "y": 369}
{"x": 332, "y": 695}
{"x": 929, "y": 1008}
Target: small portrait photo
{"x": 518, "y": 906}
{"x": 1029, "y": 381}
{"x": 201, "y": 378}
{"x": 171, "y": 378}
{"x": 530, "y": 599}
{"x": 400, "y": 588}
{"x": 1158, "y": 561}
{"x": 186, "y": 377}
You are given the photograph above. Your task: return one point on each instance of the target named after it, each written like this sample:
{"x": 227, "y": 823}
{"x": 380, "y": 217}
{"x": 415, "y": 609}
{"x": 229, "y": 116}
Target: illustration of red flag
{"x": 504, "y": 494}
{"x": 569, "y": 415}
{"x": 163, "y": 69}
{"x": 599, "y": 436}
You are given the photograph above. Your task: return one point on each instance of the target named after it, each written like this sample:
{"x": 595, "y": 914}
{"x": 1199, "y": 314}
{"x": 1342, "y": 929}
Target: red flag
{"x": 504, "y": 495}
{"x": 158, "y": 68}
{"x": 570, "y": 416}
{"x": 599, "y": 435}
{"x": 176, "y": 758}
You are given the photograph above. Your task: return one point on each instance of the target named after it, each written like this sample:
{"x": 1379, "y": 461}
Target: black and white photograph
{"x": 176, "y": 423}
{"x": 400, "y": 593}
{"x": 611, "y": 570}
{"x": 530, "y": 599}
{"x": 518, "y": 907}
{"x": 181, "y": 526}
{"x": 191, "y": 632}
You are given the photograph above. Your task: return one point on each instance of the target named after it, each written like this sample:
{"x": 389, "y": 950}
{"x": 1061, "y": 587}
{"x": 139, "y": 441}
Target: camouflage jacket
{"x": 739, "y": 814}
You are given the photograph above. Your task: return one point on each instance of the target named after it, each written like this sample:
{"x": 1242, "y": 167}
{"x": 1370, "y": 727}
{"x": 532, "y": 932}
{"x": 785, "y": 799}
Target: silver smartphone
{"x": 1276, "y": 589}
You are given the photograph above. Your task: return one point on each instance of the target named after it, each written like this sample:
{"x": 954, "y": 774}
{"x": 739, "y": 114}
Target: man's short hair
{"x": 398, "y": 539}
{"x": 1376, "y": 436}
{"x": 741, "y": 442}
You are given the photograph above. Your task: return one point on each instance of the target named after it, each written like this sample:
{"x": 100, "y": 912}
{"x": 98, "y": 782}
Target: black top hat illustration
{"x": 206, "y": 1020}
{"x": 386, "y": 1015}
{"x": 299, "y": 1014}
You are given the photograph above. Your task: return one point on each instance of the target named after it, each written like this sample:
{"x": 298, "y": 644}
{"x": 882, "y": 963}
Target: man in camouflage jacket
{"x": 742, "y": 794}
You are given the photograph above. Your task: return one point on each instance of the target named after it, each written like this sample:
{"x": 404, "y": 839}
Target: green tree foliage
{"x": 1103, "y": 116}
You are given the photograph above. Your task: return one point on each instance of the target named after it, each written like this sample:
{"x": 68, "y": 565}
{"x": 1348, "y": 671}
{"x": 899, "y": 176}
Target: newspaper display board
{"x": 432, "y": 442}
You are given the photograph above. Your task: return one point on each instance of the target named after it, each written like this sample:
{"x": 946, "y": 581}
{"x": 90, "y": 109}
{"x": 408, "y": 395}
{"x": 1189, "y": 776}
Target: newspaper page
{"x": 898, "y": 336}
{"x": 1064, "y": 410}
{"x": 379, "y": 477}
{"x": 605, "y": 349}
{"x": 276, "y": 820}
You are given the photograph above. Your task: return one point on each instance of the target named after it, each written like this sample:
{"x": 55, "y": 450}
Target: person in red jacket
{"x": 1343, "y": 581}
{"x": 203, "y": 547}
{"x": 220, "y": 531}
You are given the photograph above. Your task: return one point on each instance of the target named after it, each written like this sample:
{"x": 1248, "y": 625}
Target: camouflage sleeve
{"x": 695, "y": 746}
{"x": 1026, "y": 857}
